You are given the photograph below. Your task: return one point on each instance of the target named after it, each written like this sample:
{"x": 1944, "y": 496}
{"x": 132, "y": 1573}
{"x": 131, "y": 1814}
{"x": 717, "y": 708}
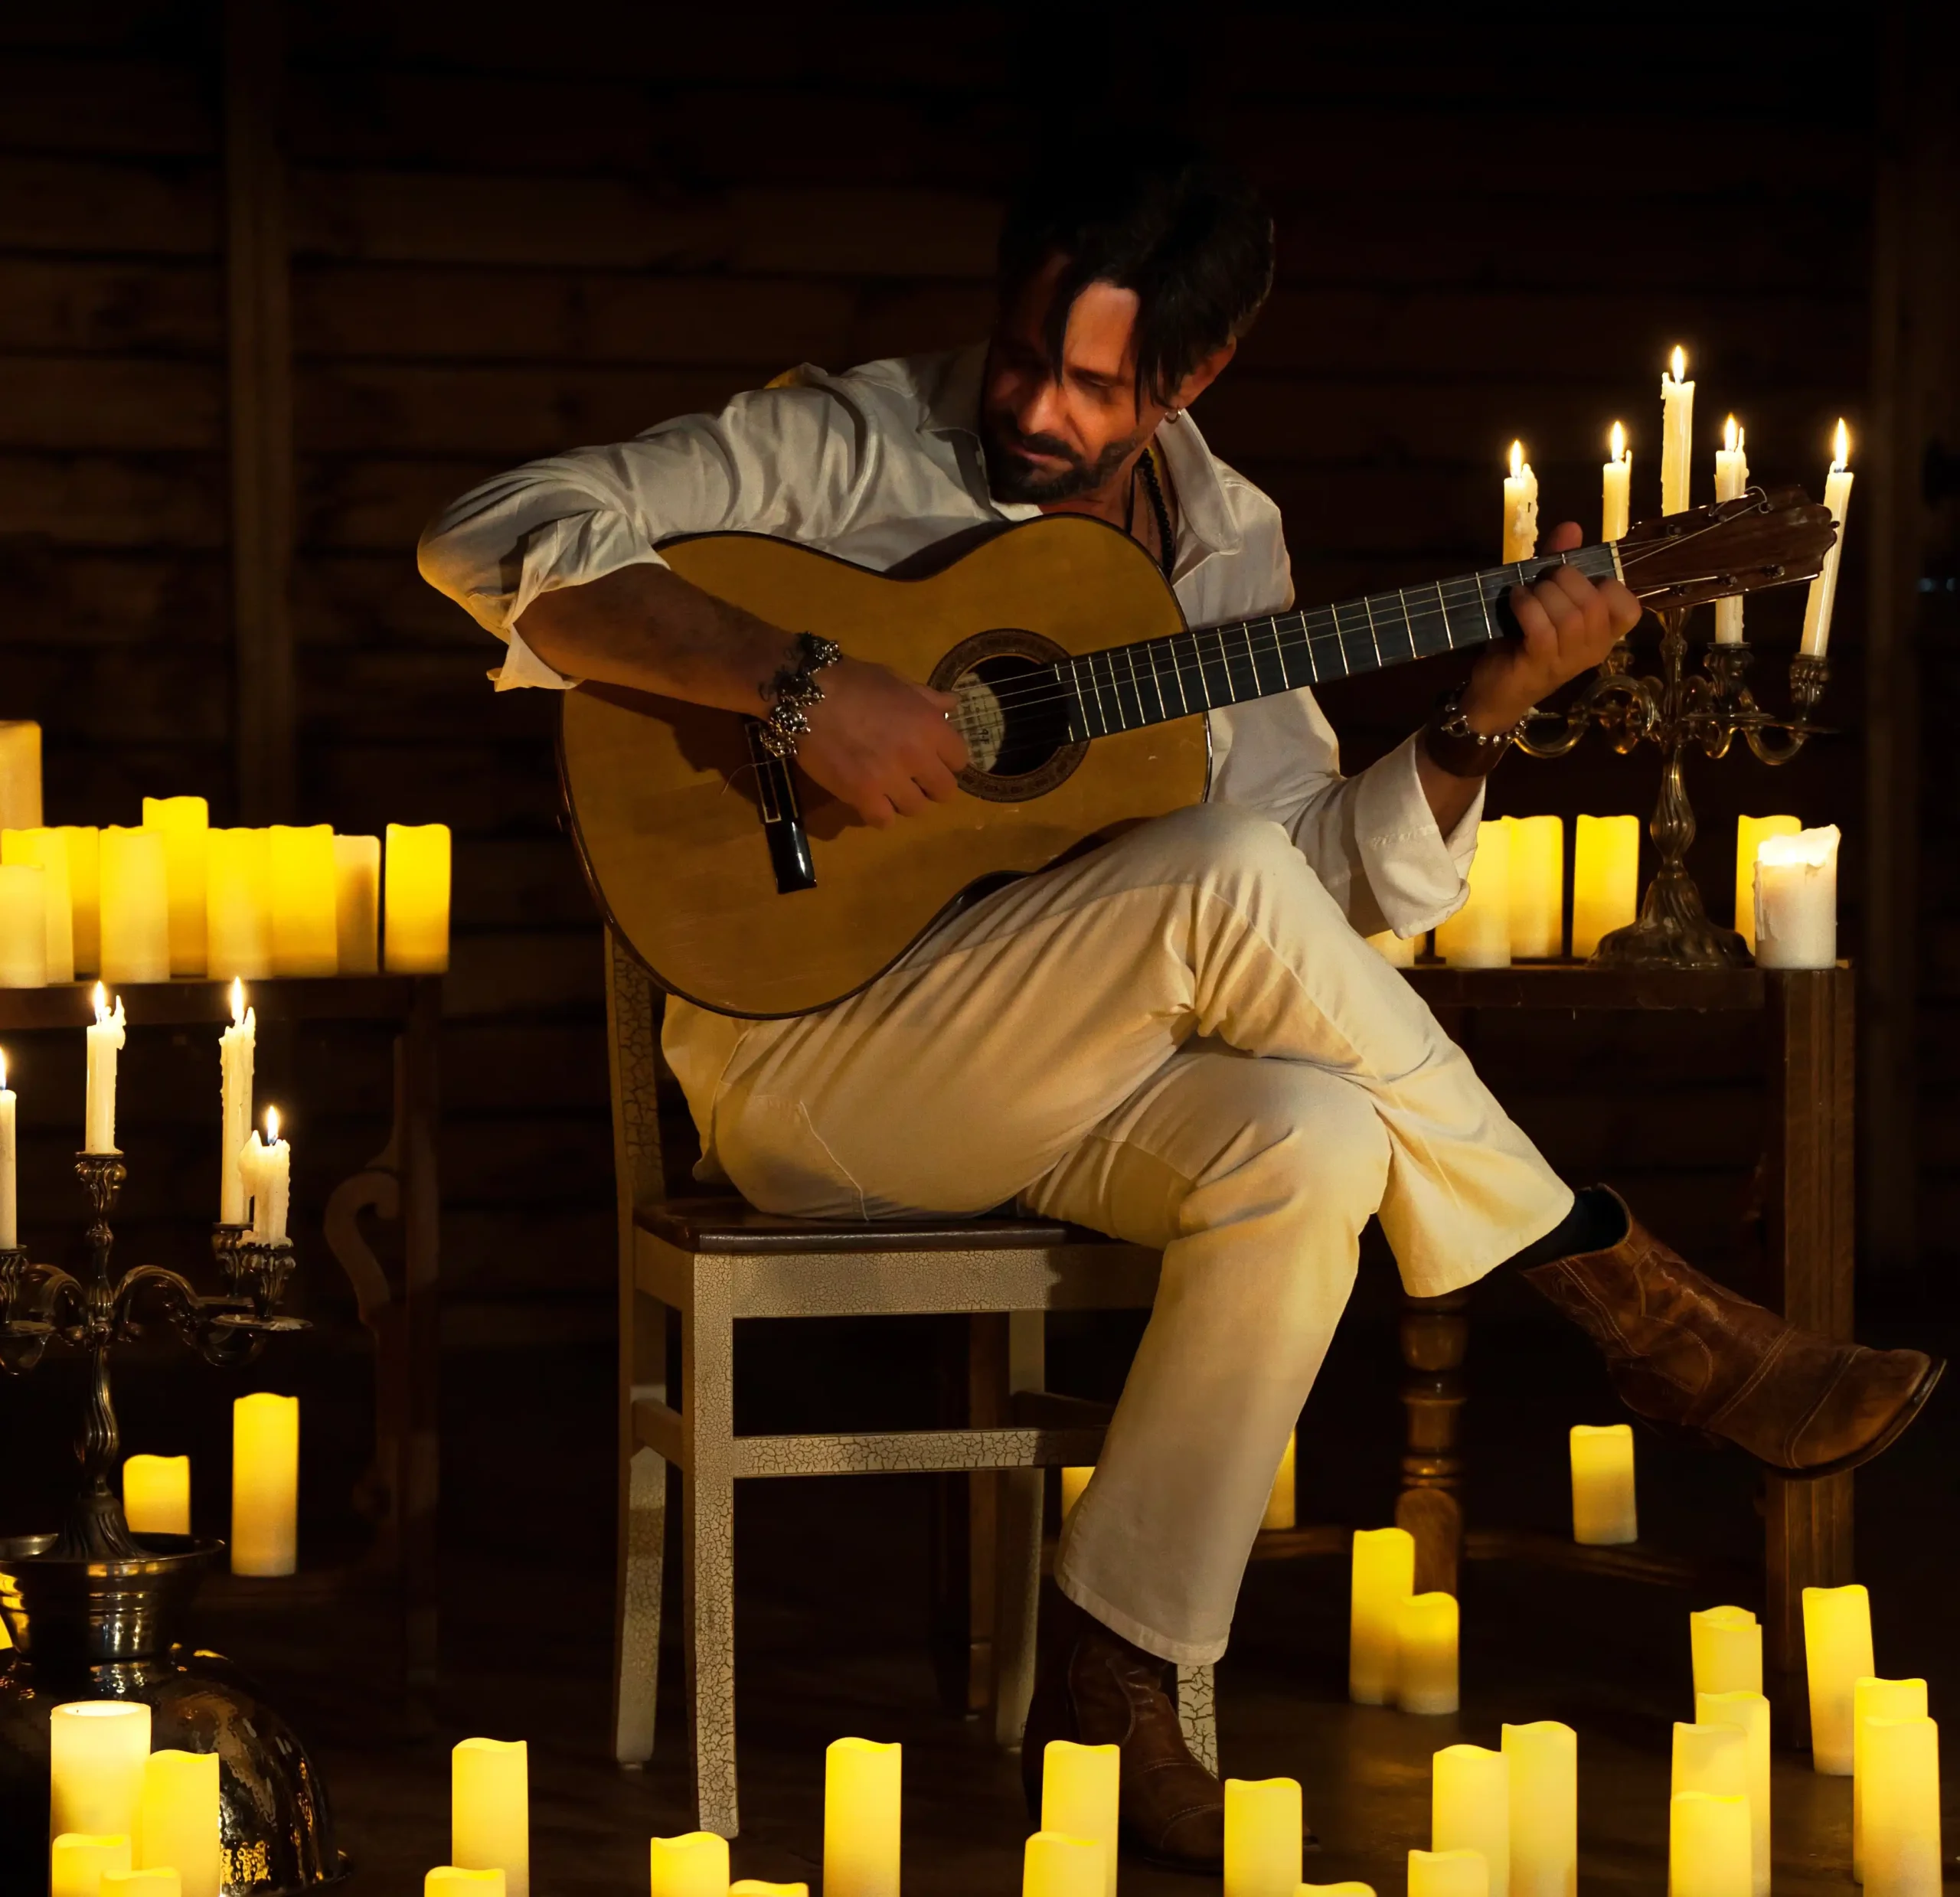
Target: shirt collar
{"x": 1206, "y": 524}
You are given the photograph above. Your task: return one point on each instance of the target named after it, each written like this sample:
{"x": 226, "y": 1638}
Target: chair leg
{"x": 1018, "y": 1530}
{"x": 1197, "y": 1713}
{"x": 636, "y": 1627}
{"x": 707, "y": 1529}
{"x": 1017, "y": 1593}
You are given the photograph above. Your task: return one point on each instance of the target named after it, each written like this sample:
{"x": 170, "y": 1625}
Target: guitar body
{"x": 667, "y": 802}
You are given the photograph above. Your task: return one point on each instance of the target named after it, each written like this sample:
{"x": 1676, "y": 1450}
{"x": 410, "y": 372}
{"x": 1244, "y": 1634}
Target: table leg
{"x": 1809, "y": 1203}
{"x": 1435, "y": 1338}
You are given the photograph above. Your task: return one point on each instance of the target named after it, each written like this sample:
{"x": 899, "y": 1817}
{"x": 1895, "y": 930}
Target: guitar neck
{"x": 1124, "y": 687}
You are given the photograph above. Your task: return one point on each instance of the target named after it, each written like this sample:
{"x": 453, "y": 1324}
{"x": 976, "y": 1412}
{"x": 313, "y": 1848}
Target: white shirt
{"x": 878, "y": 463}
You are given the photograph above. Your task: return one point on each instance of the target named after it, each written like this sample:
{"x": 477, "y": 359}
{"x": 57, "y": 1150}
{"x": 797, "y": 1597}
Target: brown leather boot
{"x": 1092, "y": 1687}
{"x": 1686, "y": 1352}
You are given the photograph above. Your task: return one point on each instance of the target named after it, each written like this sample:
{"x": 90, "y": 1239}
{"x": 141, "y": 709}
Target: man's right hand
{"x": 880, "y": 742}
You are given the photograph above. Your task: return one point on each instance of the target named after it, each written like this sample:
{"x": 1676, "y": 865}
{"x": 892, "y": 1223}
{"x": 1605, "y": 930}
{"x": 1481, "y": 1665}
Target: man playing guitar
{"x": 1180, "y": 1038}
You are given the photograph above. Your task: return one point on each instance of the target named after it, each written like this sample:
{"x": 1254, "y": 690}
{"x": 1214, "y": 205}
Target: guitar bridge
{"x": 782, "y": 815}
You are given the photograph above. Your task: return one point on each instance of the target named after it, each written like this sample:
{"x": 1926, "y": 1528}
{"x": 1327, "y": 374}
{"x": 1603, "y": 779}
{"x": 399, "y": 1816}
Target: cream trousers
{"x": 1178, "y": 1039}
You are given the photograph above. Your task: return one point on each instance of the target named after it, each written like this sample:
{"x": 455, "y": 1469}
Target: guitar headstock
{"x": 1769, "y": 537}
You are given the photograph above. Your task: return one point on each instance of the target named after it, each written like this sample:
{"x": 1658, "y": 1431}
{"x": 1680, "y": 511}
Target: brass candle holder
{"x": 1677, "y": 710}
{"x": 95, "y": 1611}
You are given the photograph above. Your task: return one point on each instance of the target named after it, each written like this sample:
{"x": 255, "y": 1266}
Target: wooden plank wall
{"x": 508, "y": 239}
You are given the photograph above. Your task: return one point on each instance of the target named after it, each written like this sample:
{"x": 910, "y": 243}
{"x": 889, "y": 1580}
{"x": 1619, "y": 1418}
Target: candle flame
{"x": 1841, "y": 448}
{"x": 101, "y": 1002}
{"x": 1619, "y": 441}
{"x": 237, "y": 1002}
{"x": 1517, "y": 459}
{"x": 1729, "y": 434}
{"x": 271, "y": 1126}
{"x": 1681, "y": 364}
{"x": 3, "y": 1070}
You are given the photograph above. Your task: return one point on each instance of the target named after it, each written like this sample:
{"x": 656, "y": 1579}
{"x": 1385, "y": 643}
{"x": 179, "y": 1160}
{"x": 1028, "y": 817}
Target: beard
{"x": 1011, "y": 477}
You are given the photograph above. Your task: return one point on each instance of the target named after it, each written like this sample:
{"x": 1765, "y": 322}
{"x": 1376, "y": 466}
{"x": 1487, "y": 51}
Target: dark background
{"x": 498, "y": 230}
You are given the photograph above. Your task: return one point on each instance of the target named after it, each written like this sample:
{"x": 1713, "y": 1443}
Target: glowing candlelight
{"x": 1824, "y": 588}
{"x": 1836, "y": 1655}
{"x": 156, "y": 1494}
{"x": 179, "y": 1824}
{"x": 1603, "y": 1514}
{"x": 1731, "y": 484}
{"x": 1616, "y": 485}
{"x": 1384, "y": 1576}
{"x": 1079, "y": 1797}
{"x": 694, "y": 1864}
{"x": 1676, "y": 434}
{"x": 863, "y": 1788}
{"x": 1263, "y": 1842}
{"x": 1054, "y": 1865}
{"x": 490, "y": 1809}
{"x": 1425, "y": 1637}
{"x": 1520, "y": 507}
{"x": 106, "y": 1040}
{"x": 96, "y": 1756}
{"x": 264, "y": 1484}
{"x": 1544, "y": 1808}
{"x": 1470, "y": 1808}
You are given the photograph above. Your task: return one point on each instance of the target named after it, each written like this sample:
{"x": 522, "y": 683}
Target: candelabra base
{"x": 1674, "y": 932}
{"x": 86, "y": 1630}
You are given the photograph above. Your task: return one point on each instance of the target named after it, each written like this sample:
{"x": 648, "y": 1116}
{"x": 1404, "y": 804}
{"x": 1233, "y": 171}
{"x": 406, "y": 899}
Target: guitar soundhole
{"x": 1013, "y": 714}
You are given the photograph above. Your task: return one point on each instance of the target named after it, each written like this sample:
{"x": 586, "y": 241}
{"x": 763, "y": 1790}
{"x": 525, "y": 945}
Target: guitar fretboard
{"x": 1126, "y": 687}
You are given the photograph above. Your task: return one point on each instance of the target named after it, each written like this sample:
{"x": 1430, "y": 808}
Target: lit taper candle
{"x": 1824, "y": 588}
{"x": 1731, "y": 484}
{"x": 1520, "y": 507}
{"x": 1676, "y": 434}
{"x": 1616, "y": 488}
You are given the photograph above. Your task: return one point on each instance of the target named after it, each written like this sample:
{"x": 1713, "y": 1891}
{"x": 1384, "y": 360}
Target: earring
{"x": 1173, "y": 415}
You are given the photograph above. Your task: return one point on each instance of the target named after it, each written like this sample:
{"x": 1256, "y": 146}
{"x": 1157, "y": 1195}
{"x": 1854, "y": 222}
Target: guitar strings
{"x": 1049, "y": 688}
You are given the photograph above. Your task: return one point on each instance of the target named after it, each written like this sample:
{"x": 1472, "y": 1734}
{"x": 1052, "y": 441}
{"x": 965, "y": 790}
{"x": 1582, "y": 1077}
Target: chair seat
{"x": 727, "y": 1224}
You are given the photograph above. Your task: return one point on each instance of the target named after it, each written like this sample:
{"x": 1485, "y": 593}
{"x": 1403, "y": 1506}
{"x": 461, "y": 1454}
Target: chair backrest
{"x": 654, "y": 1144}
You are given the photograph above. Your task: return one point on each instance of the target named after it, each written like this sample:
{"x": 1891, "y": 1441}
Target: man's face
{"x": 1051, "y": 437}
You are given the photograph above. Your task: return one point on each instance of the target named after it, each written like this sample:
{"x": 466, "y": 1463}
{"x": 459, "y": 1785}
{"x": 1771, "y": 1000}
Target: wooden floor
{"x": 832, "y": 1638}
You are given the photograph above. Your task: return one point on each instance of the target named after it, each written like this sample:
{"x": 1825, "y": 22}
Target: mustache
{"x": 1050, "y": 445}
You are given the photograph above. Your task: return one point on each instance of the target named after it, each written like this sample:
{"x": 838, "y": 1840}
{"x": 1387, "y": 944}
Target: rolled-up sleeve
{"x": 571, "y": 518}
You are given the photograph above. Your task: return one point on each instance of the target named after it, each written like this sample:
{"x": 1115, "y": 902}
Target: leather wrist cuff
{"x": 1453, "y": 747}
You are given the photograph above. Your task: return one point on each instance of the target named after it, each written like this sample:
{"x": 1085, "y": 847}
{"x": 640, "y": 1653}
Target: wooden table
{"x": 398, "y": 1184}
{"x": 1808, "y": 1195}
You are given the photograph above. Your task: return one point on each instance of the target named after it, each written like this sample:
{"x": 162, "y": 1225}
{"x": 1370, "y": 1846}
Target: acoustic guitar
{"x": 745, "y": 887}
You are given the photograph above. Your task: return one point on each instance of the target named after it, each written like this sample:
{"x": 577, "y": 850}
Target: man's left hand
{"x": 1569, "y": 623}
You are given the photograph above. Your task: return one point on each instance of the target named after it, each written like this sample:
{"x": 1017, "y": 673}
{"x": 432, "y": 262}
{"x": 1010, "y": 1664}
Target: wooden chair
{"x": 704, "y": 1263}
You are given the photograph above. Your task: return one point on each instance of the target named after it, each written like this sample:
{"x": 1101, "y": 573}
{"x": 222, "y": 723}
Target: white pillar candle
{"x": 1749, "y": 833}
{"x": 1731, "y": 484}
{"x": 457, "y": 1880}
{"x": 156, "y": 1494}
{"x": 1544, "y": 1808}
{"x": 135, "y": 906}
{"x": 694, "y": 1864}
{"x": 48, "y": 850}
{"x": 1280, "y": 1504}
{"x": 76, "y": 1862}
{"x": 23, "y": 926}
{"x": 1796, "y": 900}
{"x": 1520, "y": 507}
{"x": 264, "y": 1484}
{"x": 1902, "y": 1808}
{"x": 1616, "y": 488}
{"x": 1479, "y": 935}
{"x": 1677, "y": 435}
{"x": 1606, "y": 879}
{"x": 238, "y": 903}
{"x": 20, "y": 774}
{"x": 1262, "y": 1840}
{"x": 1837, "y": 1656}
{"x": 415, "y": 899}
{"x": 1710, "y": 1759}
{"x": 1470, "y": 1808}
{"x": 96, "y": 1751}
{"x": 1726, "y": 1646}
{"x": 84, "y": 843}
{"x": 178, "y": 1829}
{"x": 1053, "y": 1864}
{"x": 305, "y": 898}
{"x": 106, "y": 1040}
{"x": 1537, "y": 886}
{"x": 1875, "y": 1699}
{"x": 863, "y": 1792}
{"x": 184, "y": 824}
{"x": 10, "y": 1164}
{"x": 1603, "y": 1514}
{"x": 490, "y": 1809}
{"x": 1383, "y": 1576}
{"x": 761, "y": 1887}
{"x": 1823, "y": 593}
{"x": 1425, "y": 1639}
{"x": 1749, "y": 1714}
{"x": 236, "y": 1050}
{"x": 357, "y": 903}
{"x": 1447, "y": 1874}
{"x": 1708, "y": 1846}
{"x": 1080, "y": 1787}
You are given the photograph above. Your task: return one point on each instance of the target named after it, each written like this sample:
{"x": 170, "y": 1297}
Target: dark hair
{"x": 1185, "y": 230}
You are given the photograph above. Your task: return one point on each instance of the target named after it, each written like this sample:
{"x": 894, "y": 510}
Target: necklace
{"x": 1167, "y": 551}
